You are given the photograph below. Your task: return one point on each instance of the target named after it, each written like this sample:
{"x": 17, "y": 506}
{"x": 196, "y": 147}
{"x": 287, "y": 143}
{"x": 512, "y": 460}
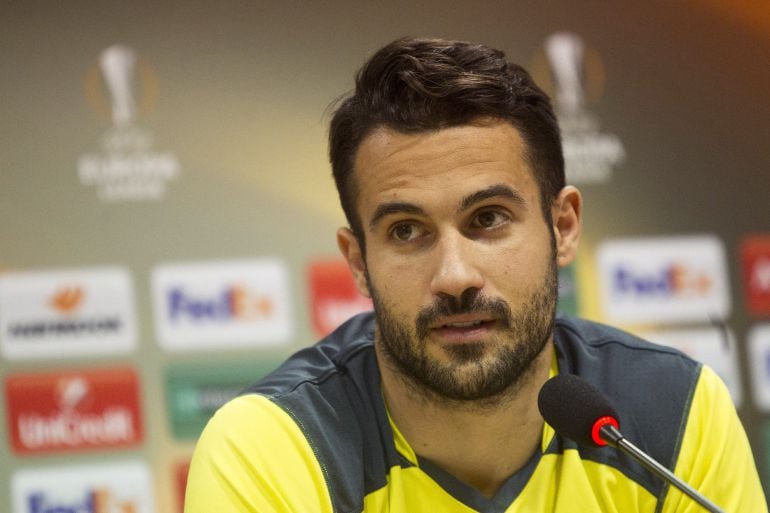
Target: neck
{"x": 498, "y": 435}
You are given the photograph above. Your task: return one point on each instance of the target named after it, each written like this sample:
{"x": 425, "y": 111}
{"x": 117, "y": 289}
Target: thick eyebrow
{"x": 493, "y": 191}
{"x": 395, "y": 207}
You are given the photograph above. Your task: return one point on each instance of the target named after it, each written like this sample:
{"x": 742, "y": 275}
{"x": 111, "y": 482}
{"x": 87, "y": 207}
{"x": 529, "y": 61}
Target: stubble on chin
{"x": 477, "y": 375}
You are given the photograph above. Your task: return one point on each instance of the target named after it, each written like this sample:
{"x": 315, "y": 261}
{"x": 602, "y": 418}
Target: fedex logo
{"x": 235, "y": 302}
{"x": 114, "y": 487}
{"x": 95, "y": 501}
{"x": 674, "y": 279}
{"x": 222, "y": 304}
{"x": 671, "y": 279}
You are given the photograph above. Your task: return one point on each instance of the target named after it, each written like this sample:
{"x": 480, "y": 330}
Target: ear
{"x": 351, "y": 250}
{"x": 566, "y": 213}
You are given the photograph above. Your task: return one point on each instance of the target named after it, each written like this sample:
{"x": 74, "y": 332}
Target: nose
{"x": 456, "y": 267}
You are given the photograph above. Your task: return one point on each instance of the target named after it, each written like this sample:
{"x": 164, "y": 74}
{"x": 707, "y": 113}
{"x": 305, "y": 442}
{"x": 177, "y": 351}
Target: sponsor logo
{"x": 759, "y": 362}
{"x": 73, "y": 411}
{"x": 66, "y": 313}
{"x": 674, "y": 279}
{"x": 180, "y": 478}
{"x": 755, "y": 260}
{"x": 121, "y": 85}
{"x": 572, "y": 72}
{"x": 222, "y": 304}
{"x": 334, "y": 297}
{"x": 766, "y": 439}
{"x": 233, "y": 302}
{"x": 96, "y": 500}
{"x": 194, "y": 393}
{"x": 713, "y": 346}
{"x": 568, "y": 302}
{"x": 67, "y": 299}
{"x": 106, "y": 488}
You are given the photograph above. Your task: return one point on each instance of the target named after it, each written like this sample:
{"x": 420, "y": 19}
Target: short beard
{"x": 474, "y": 374}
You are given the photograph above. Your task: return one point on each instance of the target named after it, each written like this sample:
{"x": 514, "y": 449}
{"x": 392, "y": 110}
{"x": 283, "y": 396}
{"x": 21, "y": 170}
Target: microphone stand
{"x": 616, "y": 439}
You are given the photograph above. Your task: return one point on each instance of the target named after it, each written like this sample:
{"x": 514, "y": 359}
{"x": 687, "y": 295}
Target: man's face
{"x": 460, "y": 262}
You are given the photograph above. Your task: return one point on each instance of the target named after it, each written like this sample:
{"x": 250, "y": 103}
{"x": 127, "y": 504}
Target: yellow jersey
{"x": 315, "y": 436}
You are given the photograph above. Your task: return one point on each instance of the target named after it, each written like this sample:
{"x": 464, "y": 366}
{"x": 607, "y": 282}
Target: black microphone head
{"x": 572, "y": 406}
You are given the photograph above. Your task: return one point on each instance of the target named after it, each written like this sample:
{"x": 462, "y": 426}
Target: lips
{"x": 463, "y": 330}
{"x": 461, "y": 322}
{"x": 468, "y": 324}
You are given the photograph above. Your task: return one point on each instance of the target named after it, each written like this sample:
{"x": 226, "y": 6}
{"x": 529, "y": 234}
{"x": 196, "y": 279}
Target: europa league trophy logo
{"x": 118, "y": 65}
{"x": 120, "y": 85}
{"x": 572, "y": 72}
{"x": 565, "y": 52}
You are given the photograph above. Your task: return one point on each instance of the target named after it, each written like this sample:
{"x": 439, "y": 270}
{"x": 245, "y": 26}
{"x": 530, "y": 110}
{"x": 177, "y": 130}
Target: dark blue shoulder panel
{"x": 332, "y": 392}
{"x": 651, "y": 387}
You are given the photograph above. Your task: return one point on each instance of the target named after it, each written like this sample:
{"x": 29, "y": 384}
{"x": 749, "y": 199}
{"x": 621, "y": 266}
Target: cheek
{"x": 398, "y": 285}
{"x": 520, "y": 271}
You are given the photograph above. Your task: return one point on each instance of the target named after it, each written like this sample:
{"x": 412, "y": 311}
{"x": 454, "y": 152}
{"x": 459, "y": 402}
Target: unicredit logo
{"x": 755, "y": 267}
{"x": 234, "y": 303}
{"x": 71, "y": 411}
{"x": 334, "y": 296}
{"x": 760, "y": 276}
{"x": 72, "y": 428}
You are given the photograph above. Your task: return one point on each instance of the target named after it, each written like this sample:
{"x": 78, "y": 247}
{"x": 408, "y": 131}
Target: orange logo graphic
{"x": 103, "y": 501}
{"x": 67, "y": 299}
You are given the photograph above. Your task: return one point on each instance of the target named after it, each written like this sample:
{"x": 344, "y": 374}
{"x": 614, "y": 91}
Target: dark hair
{"x": 414, "y": 85}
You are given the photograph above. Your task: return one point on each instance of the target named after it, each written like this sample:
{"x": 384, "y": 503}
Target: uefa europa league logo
{"x": 565, "y": 53}
{"x": 121, "y": 86}
{"x": 571, "y": 71}
{"x": 118, "y": 66}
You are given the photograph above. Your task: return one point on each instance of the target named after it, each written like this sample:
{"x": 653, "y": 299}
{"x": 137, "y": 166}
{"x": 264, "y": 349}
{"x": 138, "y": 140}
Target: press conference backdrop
{"x": 167, "y": 214}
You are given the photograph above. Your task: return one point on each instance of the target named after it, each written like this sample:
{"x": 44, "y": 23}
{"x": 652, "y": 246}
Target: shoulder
{"x": 324, "y": 403}
{"x": 651, "y": 386}
{"x": 337, "y": 355}
{"x": 714, "y": 445}
{"x": 610, "y": 357}
{"x": 252, "y": 446}
{"x": 638, "y": 375}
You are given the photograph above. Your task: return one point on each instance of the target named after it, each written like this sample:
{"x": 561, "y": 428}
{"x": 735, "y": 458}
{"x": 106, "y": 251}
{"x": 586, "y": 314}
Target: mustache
{"x": 469, "y": 301}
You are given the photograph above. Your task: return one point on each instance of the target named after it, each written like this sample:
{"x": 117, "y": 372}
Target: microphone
{"x": 579, "y": 411}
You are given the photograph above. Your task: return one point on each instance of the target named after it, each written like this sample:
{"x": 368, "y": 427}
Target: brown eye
{"x": 403, "y": 231}
{"x": 489, "y": 219}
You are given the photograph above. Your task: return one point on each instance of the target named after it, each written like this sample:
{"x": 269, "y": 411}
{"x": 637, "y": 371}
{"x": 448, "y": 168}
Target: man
{"x": 449, "y": 167}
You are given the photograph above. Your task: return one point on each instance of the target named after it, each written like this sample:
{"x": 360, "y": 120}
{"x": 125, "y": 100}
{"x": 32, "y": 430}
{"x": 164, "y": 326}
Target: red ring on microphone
{"x": 598, "y": 425}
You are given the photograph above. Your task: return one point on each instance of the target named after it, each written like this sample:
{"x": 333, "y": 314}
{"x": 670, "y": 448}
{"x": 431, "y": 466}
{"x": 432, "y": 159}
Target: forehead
{"x": 392, "y": 165}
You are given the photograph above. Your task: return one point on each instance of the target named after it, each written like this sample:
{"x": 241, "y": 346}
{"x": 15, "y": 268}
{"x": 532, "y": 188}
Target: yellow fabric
{"x": 715, "y": 457}
{"x": 563, "y": 483}
{"x": 252, "y": 458}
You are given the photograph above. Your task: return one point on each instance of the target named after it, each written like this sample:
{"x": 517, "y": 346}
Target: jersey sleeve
{"x": 252, "y": 457}
{"x": 715, "y": 457}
